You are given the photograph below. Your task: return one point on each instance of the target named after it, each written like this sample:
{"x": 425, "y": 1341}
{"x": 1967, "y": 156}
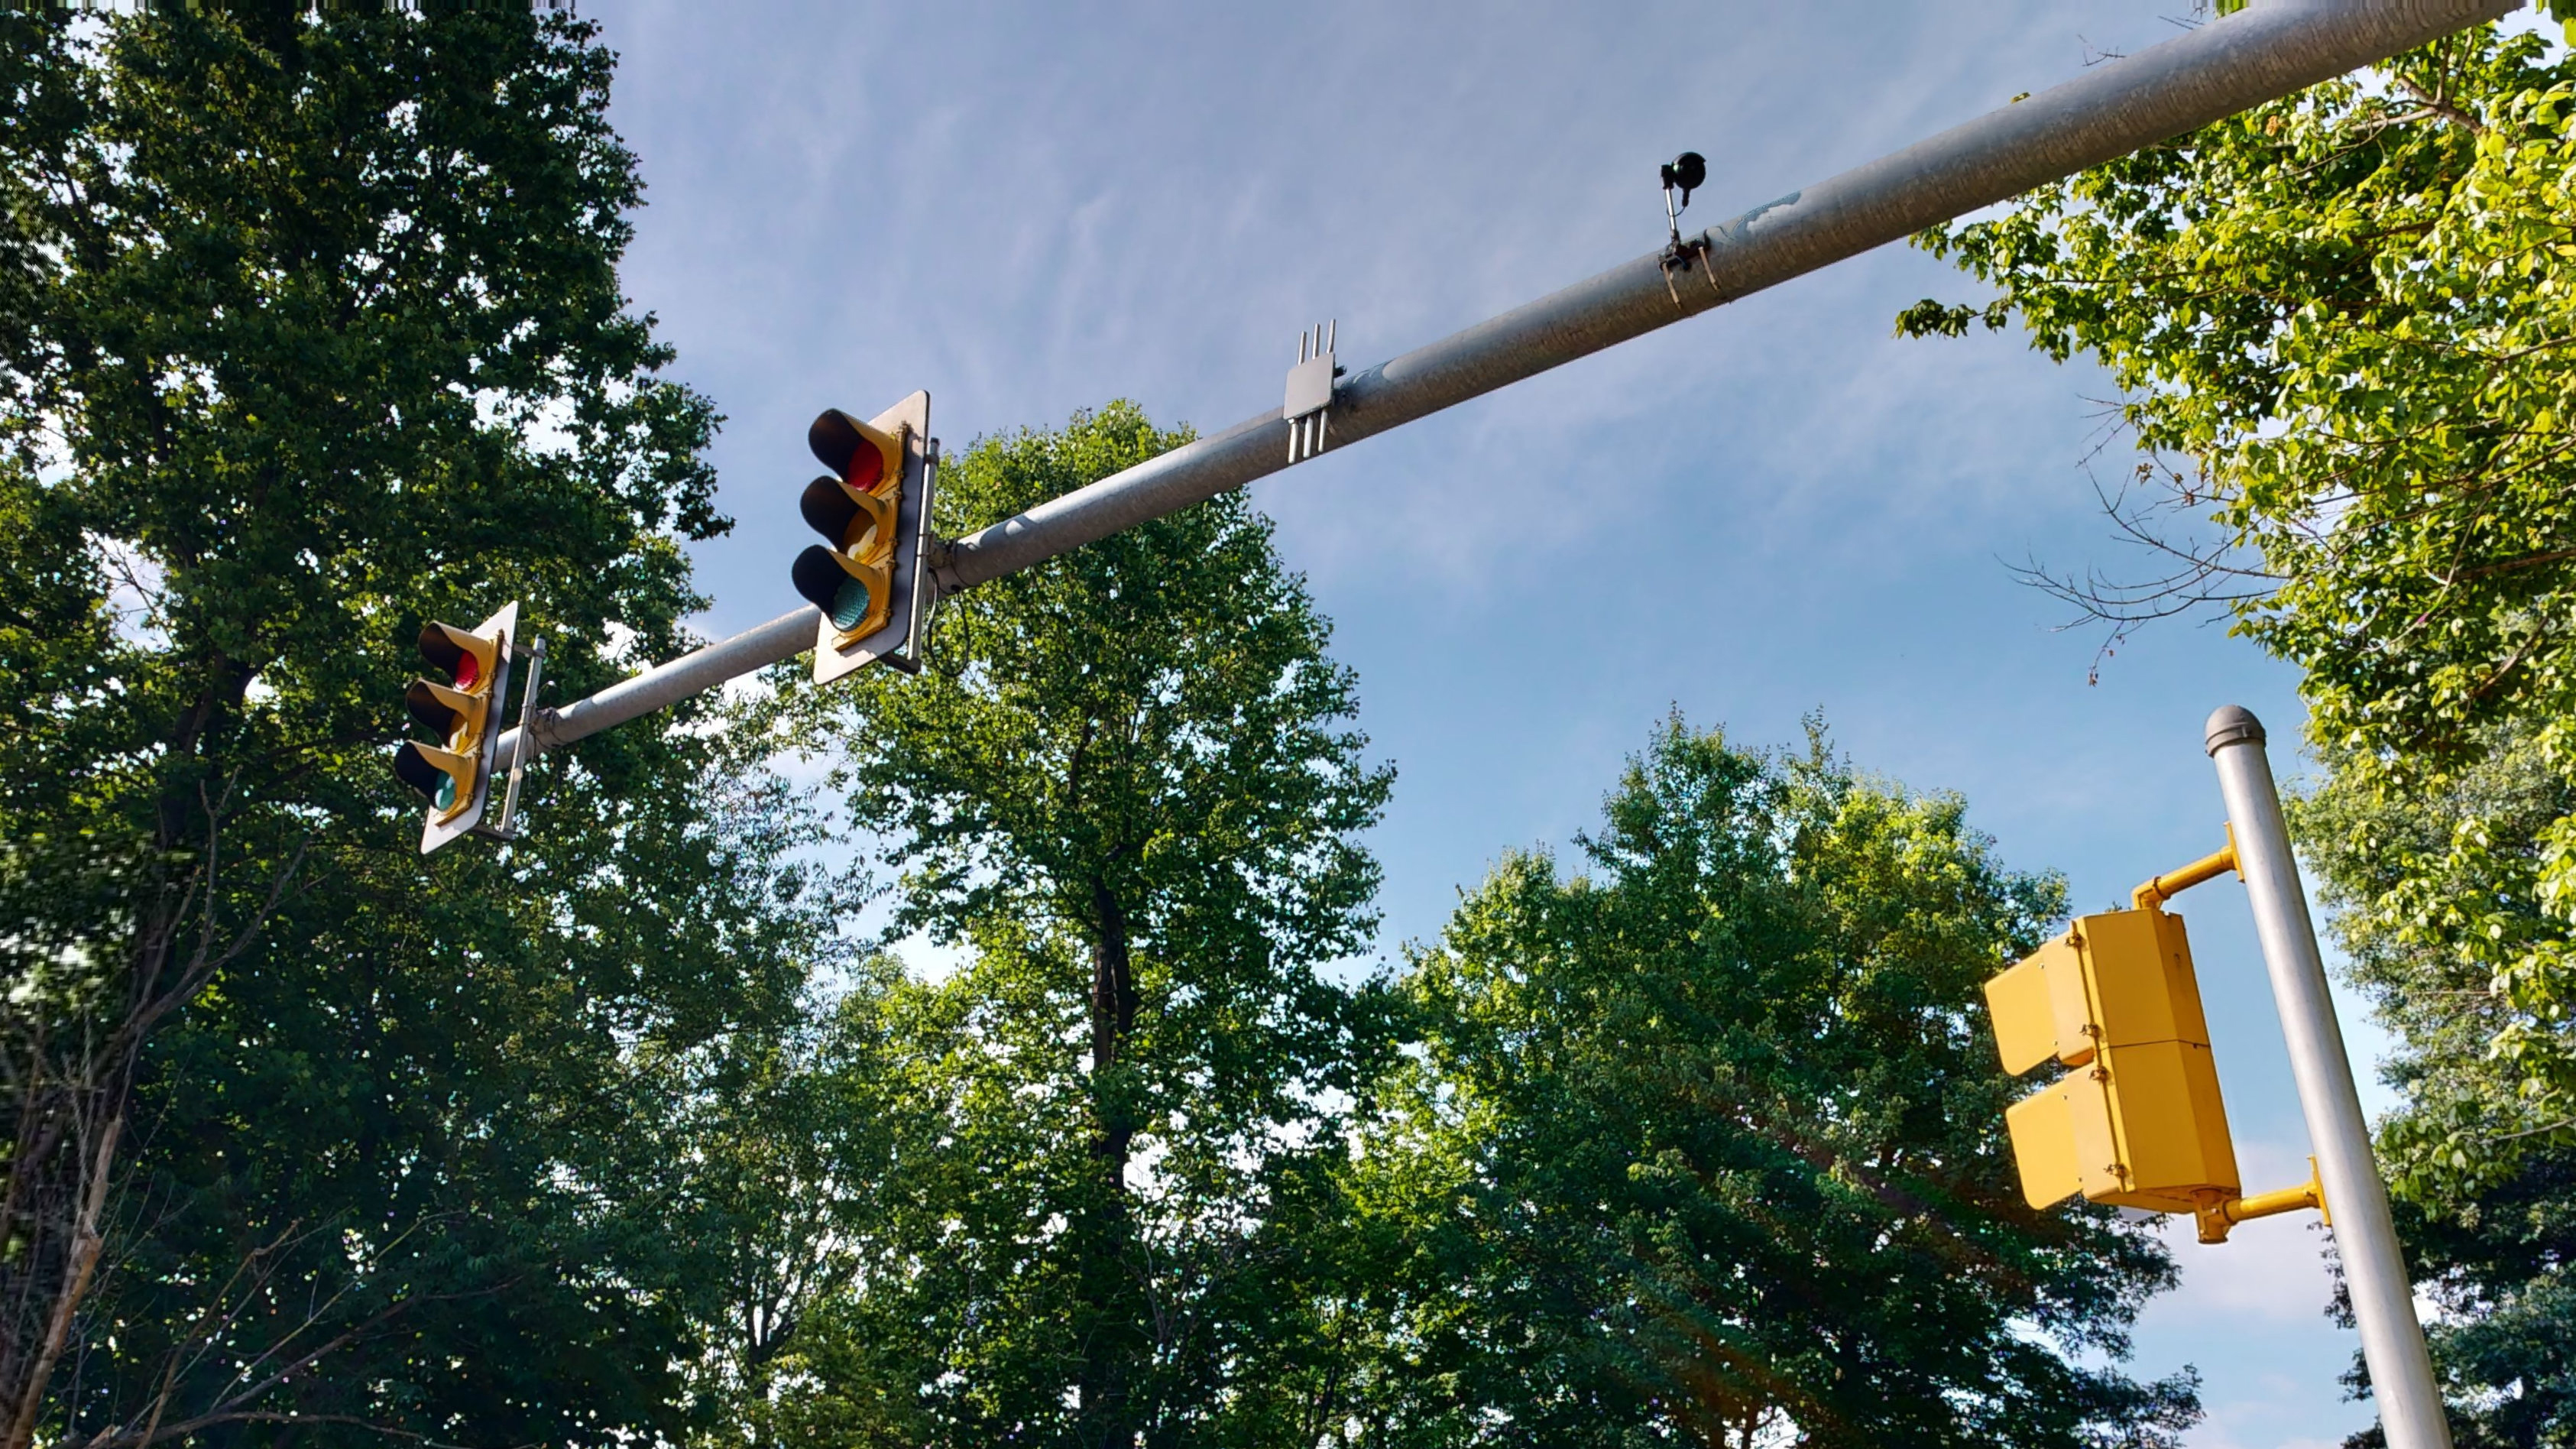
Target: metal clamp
{"x": 1685, "y": 174}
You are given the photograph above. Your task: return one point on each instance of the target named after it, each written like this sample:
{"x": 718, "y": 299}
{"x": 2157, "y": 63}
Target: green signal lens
{"x": 446, "y": 792}
{"x": 849, "y": 604}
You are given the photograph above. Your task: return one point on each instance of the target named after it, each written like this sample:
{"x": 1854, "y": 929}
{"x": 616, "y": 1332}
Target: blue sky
{"x": 1771, "y": 510}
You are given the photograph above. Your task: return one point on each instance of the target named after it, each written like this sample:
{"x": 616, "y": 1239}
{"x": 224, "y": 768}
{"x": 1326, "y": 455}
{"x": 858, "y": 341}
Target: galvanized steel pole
{"x": 752, "y": 650}
{"x": 2383, "y": 1296}
{"x": 2260, "y": 53}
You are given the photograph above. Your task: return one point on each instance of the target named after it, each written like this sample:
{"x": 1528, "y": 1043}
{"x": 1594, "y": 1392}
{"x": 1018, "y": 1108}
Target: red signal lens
{"x": 442, "y": 646}
{"x": 867, "y": 467}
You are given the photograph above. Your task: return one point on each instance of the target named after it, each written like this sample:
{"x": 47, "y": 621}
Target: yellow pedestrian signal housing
{"x": 2139, "y": 1121}
{"x": 868, "y": 575}
{"x": 456, "y": 773}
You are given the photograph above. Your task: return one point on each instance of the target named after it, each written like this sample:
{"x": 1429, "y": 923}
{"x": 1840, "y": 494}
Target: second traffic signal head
{"x": 455, "y": 712}
{"x": 867, "y": 576}
{"x": 454, "y": 773}
{"x": 850, "y": 577}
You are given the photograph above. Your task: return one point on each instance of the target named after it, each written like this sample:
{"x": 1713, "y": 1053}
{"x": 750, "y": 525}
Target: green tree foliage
{"x": 2345, "y": 316}
{"x": 821, "y": 1158}
{"x": 2342, "y": 324}
{"x": 1706, "y": 1145}
{"x": 1126, "y": 790}
{"x": 2487, "y": 1200}
{"x": 313, "y": 332}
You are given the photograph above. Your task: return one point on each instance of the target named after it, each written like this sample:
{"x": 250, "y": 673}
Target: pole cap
{"x": 2233, "y": 724}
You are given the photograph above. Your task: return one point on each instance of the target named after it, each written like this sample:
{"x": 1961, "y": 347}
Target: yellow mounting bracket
{"x": 2156, "y": 892}
{"x": 2217, "y": 1217}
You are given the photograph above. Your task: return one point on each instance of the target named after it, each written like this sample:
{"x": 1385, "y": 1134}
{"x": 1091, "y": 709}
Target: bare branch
{"x": 2196, "y": 577}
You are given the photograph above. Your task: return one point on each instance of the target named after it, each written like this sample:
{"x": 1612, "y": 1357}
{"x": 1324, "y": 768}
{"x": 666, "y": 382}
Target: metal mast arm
{"x": 2258, "y": 54}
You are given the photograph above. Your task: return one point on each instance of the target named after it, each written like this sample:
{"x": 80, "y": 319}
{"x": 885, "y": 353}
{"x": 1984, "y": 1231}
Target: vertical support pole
{"x": 2383, "y": 1296}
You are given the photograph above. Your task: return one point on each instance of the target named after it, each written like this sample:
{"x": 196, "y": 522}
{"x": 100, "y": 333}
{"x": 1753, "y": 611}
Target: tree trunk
{"x": 1113, "y": 1016}
{"x": 1108, "y": 1353}
{"x": 86, "y": 1243}
{"x": 58, "y": 1192}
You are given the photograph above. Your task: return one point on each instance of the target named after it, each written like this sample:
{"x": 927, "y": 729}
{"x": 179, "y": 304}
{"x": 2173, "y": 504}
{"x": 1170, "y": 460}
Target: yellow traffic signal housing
{"x": 455, "y": 774}
{"x": 2139, "y": 1122}
{"x": 868, "y": 576}
{"x": 852, "y": 579}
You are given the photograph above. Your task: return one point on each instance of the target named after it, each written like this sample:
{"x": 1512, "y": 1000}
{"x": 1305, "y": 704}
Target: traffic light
{"x": 2138, "y": 1122}
{"x": 867, "y": 576}
{"x": 456, "y": 773}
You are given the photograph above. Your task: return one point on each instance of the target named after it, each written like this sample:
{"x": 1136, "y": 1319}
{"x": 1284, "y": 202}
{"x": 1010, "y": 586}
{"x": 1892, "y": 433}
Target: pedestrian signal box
{"x": 2138, "y": 1121}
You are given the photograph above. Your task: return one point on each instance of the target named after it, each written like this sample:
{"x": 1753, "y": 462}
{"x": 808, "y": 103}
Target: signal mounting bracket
{"x": 534, "y": 651}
